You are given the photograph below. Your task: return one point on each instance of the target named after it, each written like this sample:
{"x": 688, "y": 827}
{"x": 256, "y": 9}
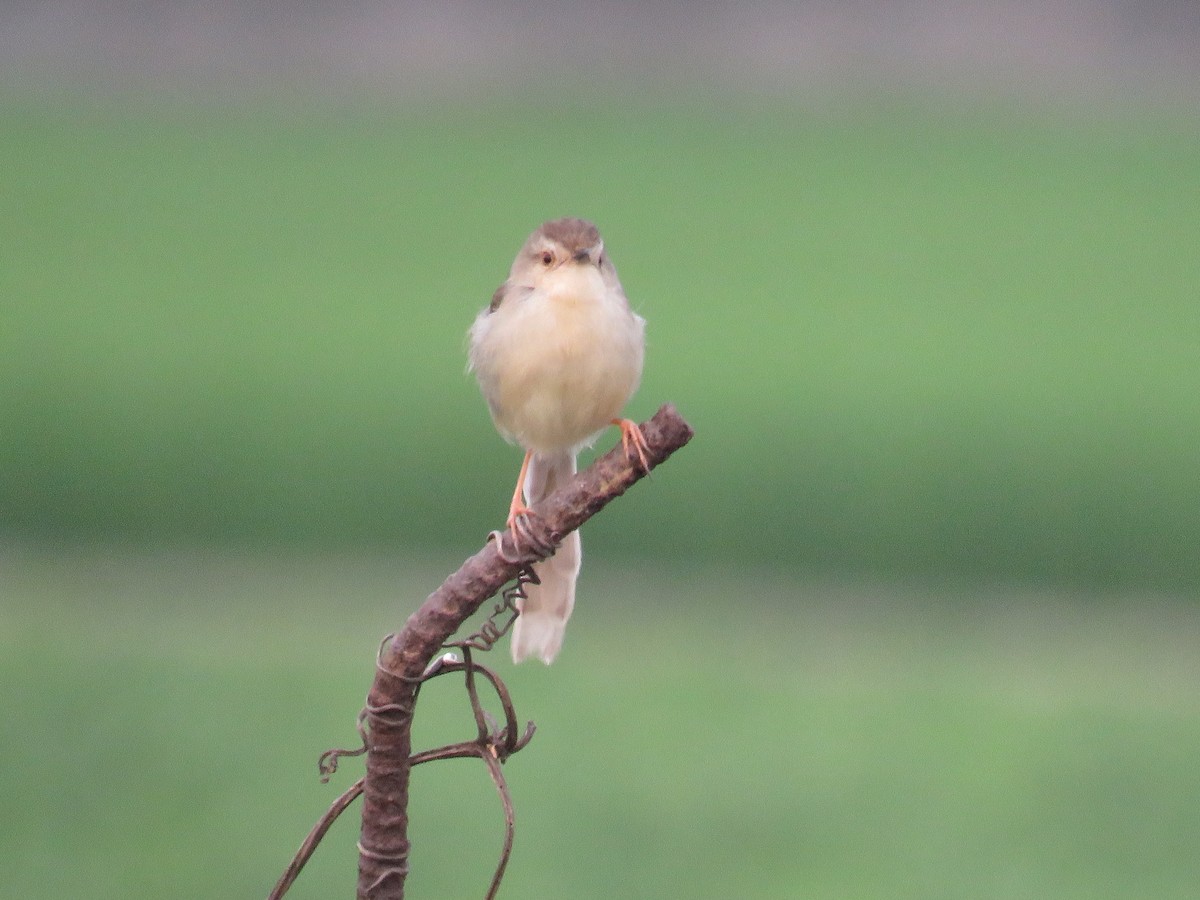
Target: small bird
{"x": 558, "y": 353}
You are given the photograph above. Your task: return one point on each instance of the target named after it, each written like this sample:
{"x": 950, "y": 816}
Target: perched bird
{"x": 558, "y": 353}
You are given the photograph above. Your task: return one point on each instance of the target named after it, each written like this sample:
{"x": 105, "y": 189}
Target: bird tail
{"x": 547, "y": 606}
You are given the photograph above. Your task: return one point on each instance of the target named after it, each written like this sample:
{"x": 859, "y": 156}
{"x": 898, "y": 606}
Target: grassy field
{"x": 164, "y": 713}
{"x": 915, "y": 341}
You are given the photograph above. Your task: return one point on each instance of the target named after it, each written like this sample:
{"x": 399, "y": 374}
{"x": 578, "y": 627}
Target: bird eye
{"x": 547, "y": 258}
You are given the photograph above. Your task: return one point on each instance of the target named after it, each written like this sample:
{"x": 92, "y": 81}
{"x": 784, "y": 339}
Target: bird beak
{"x": 583, "y": 256}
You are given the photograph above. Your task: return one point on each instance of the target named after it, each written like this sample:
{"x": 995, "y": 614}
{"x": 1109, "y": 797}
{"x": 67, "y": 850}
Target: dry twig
{"x": 408, "y": 659}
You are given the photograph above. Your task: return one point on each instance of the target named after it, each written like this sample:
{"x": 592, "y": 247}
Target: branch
{"x": 383, "y": 847}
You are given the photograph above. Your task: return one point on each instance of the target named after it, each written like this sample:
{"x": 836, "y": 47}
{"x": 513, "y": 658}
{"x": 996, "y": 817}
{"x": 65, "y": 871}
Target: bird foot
{"x": 516, "y": 511}
{"x": 528, "y": 537}
{"x": 631, "y": 436}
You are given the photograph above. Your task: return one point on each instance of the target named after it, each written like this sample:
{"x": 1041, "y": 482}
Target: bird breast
{"x": 559, "y": 363}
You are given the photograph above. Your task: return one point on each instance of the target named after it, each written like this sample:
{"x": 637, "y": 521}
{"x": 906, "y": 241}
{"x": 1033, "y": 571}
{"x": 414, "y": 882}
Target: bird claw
{"x": 515, "y": 512}
{"x": 631, "y": 435}
{"x": 524, "y": 539}
{"x": 524, "y": 535}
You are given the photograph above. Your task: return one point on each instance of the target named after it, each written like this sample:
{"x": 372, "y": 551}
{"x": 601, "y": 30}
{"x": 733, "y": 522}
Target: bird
{"x": 557, "y": 353}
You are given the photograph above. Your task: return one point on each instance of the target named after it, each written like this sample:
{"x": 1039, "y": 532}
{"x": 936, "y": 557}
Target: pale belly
{"x": 556, "y": 371}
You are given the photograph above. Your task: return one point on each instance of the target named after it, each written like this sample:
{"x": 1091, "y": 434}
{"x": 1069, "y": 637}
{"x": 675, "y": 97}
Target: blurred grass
{"x": 164, "y": 714}
{"x": 915, "y": 341}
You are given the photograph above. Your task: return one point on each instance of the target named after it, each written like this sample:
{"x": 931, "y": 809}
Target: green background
{"x": 913, "y": 341}
{"x": 913, "y": 615}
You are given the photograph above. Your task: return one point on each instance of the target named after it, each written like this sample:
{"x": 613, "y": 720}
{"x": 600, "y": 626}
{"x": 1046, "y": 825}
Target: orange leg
{"x": 518, "y": 507}
{"x": 631, "y": 434}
